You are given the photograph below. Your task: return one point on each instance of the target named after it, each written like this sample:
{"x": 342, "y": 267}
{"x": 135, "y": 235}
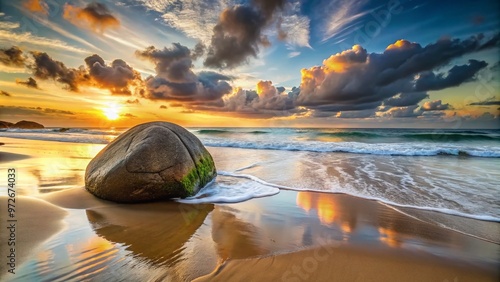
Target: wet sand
{"x": 304, "y": 236}
{"x": 343, "y": 263}
{"x": 10, "y": 157}
{"x": 35, "y": 222}
{"x": 292, "y": 236}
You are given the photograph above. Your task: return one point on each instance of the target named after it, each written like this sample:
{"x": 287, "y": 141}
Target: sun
{"x": 112, "y": 112}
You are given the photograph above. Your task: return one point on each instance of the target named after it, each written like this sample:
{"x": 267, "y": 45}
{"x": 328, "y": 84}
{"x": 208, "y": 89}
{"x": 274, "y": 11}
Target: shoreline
{"x": 340, "y": 243}
{"x": 184, "y": 242}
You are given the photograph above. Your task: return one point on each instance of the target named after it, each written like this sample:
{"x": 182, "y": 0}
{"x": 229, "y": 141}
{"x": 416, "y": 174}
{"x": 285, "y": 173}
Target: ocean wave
{"x": 212, "y": 131}
{"x": 437, "y": 136}
{"x": 484, "y": 217}
{"x": 352, "y": 134}
{"x": 229, "y": 189}
{"x": 223, "y": 131}
{"x": 447, "y": 137}
{"x": 391, "y": 149}
{"x": 281, "y": 143}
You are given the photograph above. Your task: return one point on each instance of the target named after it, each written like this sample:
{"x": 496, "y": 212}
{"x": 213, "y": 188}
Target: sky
{"x": 257, "y": 63}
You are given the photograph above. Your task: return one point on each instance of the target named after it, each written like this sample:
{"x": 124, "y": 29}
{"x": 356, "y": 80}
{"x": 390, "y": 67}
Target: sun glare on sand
{"x": 112, "y": 112}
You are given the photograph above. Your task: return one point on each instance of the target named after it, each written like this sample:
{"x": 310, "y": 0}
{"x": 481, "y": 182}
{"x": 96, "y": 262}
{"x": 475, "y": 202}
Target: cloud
{"x": 9, "y": 25}
{"x": 33, "y": 111}
{"x": 55, "y": 111}
{"x": 12, "y": 57}
{"x": 128, "y": 115}
{"x": 118, "y": 77}
{"x": 485, "y": 103}
{"x": 337, "y": 15}
{"x": 455, "y": 76}
{"x": 31, "y": 83}
{"x": 406, "y": 99}
{"x": 195, "y": 18}
{"x": 175, "y": 79}
{"x": 404, "y": 58}
{"x": 7, "y": 37}
{"x": 163, "y": 107}
{"x": 292, "y": 27}
{"x": 357, "y": 80}
{"x": 239, "y": 33}
{"x": 403, "y": 112}
{"x": 36, "y": 6}
{"x": 47, "y": 68}
{"x": 5, "y": 93}
{"x": 198, "y": 20}
{"x": 136, "y": 101}
{"x": 435, "y": 106}
{"x": 95, "y": 16}
{"x": 173, "y": 64}
{"x": 271, "y": 98}
{"x": 356, "y": 114}
{"x": 264, "y": 102}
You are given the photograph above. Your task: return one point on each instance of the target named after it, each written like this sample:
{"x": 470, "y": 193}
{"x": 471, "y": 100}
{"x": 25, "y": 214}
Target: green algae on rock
{"x": 150, "y": 162}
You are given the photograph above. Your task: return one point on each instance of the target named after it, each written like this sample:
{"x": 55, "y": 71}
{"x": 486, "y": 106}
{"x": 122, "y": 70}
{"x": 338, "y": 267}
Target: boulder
{"x": 150, "y": 162}
{"x": 24, "y": 124}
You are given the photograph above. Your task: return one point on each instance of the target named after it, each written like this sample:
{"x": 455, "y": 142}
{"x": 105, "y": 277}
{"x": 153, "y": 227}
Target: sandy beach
{"x": 66, "y": 234}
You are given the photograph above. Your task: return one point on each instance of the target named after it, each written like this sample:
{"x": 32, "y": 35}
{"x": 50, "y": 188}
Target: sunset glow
{"x": 303, "y": 64}
{"x": 112, "y": 112}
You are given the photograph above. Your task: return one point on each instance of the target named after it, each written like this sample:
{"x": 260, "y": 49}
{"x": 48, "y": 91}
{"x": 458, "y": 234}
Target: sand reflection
{"x": 234, "y": 238}
{"x": 52, "y": 166}
{"x": 329, "y": 209}
{"x": 156, "y": 232}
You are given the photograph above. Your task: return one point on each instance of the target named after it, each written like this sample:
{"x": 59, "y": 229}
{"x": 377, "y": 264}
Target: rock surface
{"x": 5, "y": 124}
{"x": 24, "y": 124}
{"x": 149, "y": 162}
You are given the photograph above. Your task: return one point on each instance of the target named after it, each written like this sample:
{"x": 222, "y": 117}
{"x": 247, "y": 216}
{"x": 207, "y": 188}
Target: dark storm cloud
{"x": 95, "y": 16}
{"x": 31, "y": 83}
{"x": 485, "y": 103}
{"x": 356, "y": 80}
{"x": 198, "y": 51}
{"x": 47, "y": 68}
{"x": 117, "y": 77}
{"x": 238, "y": 34}
{"x": 175, "y": 79}
{"x": 406, "y": 99}
{"x": 357, "y": 114}
{"x": 455, "y": 76}
{"x": 12, "y": 57}
{"x": 174, "y": 64}
{"x": 403, "y": 59}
